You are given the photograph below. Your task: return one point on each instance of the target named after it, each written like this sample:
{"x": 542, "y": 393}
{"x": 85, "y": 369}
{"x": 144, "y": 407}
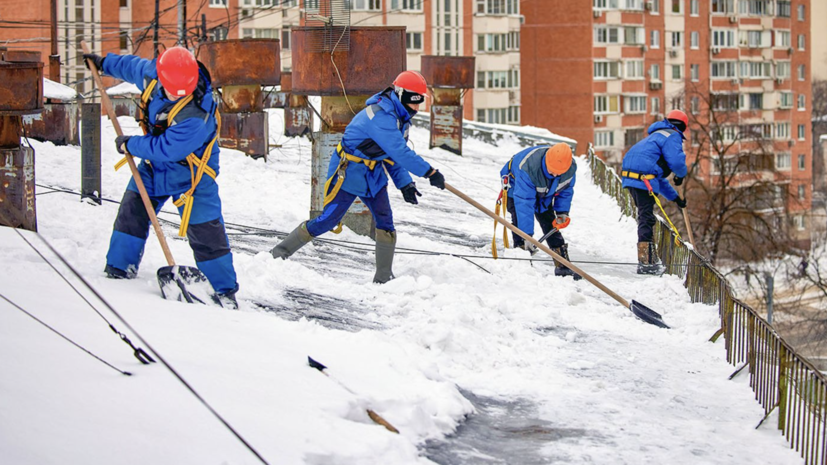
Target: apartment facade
{"x": 750, "y": 59}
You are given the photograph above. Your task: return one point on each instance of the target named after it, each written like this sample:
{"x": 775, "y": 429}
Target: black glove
{"x": 410, "y": 193}
{"x": 120, "y": 144}
{"x": 96, "y": 59}
{"x": 436, "y": 178}
{"x": 681, "y": 203}
{"x": 678, "y": 181}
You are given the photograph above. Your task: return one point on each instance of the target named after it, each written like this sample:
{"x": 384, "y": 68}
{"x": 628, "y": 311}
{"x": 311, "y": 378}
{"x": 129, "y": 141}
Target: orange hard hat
{"x": 558, "y": 159}
{"x": 412, "y": 82}
{"x": 680, "y": 116}
{"x": 178, "y": 71}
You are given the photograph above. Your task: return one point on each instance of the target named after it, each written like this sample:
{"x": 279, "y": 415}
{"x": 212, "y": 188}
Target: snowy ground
{"x": 558, "y": 371}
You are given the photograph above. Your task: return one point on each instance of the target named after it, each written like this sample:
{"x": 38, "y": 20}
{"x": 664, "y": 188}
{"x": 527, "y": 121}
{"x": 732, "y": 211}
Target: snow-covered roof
{"x": 55, "y": 90}
{"x": 823, "y": 137}
{"x": 124, "y": 88}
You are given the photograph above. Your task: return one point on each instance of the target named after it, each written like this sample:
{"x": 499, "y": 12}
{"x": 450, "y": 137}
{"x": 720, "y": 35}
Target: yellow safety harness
{"x": 645, "y": 178}
{"x": 345, "y": 158}
{"x": 502, "y": 201}
{"x": 198, "y": 166}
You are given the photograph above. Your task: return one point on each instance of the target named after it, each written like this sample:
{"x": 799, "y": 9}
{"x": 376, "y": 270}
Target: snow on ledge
{"x": 124, "y": 88}
{"x": 57, "y": 91}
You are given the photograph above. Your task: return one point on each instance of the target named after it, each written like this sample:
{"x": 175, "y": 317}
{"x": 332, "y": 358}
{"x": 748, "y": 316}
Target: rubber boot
{"x": 385, "y": 246}
{"x": 227, "y": 299}
{"x": 647, "y": 259}
{"x": 559, "y": 268}
{"x": 117, "y": 273}
{"x": 293, "y": 242}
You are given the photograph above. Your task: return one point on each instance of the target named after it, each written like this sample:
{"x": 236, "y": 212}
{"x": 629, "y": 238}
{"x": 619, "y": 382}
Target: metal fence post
{"x": 90, "y": 143}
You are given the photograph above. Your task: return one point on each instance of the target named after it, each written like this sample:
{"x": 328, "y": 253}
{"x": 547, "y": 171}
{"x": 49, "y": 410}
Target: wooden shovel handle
{"x": 150, "y": 210}
{"x": 540, "y": 246}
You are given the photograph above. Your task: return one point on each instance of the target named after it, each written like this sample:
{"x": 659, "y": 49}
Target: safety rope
{"x": 657, "y": 201}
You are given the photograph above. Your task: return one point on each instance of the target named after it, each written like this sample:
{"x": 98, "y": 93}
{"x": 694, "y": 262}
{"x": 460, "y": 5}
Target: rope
{"x": 64, "y": 337}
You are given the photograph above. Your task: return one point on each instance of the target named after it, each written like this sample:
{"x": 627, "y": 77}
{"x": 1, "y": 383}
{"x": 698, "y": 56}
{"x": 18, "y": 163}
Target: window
{"x": 677, "y": 72}
{"x": 634, "y": 35}
{"x": 802, "y": 132}
{"x": 782, "y": 70}
{"x": 634, "y": 104}
{"x": 695, "y": 104}
{"x": 492, "y": 42}
{"x": 285, "y": 38}
{"x": 802, "y": 190}
{"x": 124, "y": 3}
{"x": 722, "y": 70}
{"x": 782, "y": 131}
{"x": 722, "y": 6}
{"x": 676, "y": 39}
{"x": 604, "y": 139}
{"x": 480, "y": 115}
{"x": 413, "y": 41}
{"x": 606, "y": 70}
{"x": 512, "y": 40}
{"x": 632, "y": 4}
{"x": 492, "y": 79}
{"x": 632, "y": 136}
{"x": 694, "y": 40}
{"x": 802, "y": 100}
{"x": 695, "y": 72}
{"x": 123, "y": 39}
{"x": 756, "y": 69}
{"x": 406, "y": 5}
{"x": 654, "y": 72}
{"x": 655, "y": 7}
{"x": 606, "y": 35}
{"x": 654, "y": 38}
{"x": 366, "y": 5}
{"x": 782, "y": 39}
{"x": 798, "y": 222}
{"x": 655, "y": 105}
{"x": 218, "y": 3}
{"x": 676, "y": 6}
{"x": 801, "y": 41}
{"x": 496, "y": 115}
{"x": 725, "y": 102}
{"x": 782, "y": 161}
{"x": 802, "y": 73}
{"x": 634, "y": 69}
{"x": 755, "y": 39}
{"x": 786, "y": 100}
{"x": 604, "y": 104}
{"x": 756, "y": 101}
{"x": 499, "y": 7}
{"x": 677, "y": 103}
{"x": 756, "y": 7}
{"x": 513, "y": 114}
{"x": 783, "y": 9}
{"x": 800, "y": 12}
{"x": 605, "y": 4}
{"x": 802, "y": 165}
{"x": 694, "y": 10}
{"x": 724, "y": 38}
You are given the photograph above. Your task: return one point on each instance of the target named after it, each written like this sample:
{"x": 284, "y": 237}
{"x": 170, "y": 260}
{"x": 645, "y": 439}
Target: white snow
{"x": 124, "y": 88}
{"x": 55, "y": 90}
{"x": 617, "y": 390}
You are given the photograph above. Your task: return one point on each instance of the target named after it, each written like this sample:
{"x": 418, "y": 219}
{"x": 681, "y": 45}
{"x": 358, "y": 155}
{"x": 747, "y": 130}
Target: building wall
{"x": 818, "y": 42}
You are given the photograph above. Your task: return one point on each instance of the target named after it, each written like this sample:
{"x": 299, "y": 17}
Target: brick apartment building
{"x": 603, "y": 70}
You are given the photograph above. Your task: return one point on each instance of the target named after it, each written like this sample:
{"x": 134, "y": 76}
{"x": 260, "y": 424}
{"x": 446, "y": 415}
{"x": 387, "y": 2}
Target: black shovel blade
{"x": 647, "y": 314}
{"x": 184, "y": 284}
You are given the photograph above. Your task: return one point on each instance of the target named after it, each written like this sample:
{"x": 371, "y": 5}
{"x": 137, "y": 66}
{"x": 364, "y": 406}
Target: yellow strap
{"x": 504, "y": 203}
{"x": 186, "y": 199}
{"x": 505, "y": 209}
{"x": 674, "y": 229}
{"x": 494, "y": 237}
{"x": 633, "y": 175}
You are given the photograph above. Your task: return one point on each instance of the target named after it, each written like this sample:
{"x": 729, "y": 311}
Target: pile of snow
{"x": 57, "y": 91}
{"x": 611, "y": 388}
{"x": 124, "y": 88}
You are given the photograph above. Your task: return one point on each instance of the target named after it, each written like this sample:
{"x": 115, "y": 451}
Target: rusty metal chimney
{"x": 297, "y": 116}
{"x": 240, "y": 67}
{"x": 448, "y": 78}
{"x": 21, "y": 94}
{"x": 344, "y": 80}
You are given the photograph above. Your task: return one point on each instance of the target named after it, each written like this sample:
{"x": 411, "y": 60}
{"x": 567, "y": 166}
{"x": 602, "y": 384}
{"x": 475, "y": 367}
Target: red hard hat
{"x": 678, "y": 115}
{"x": 412, "y": 82}
{"x": 178, "y": 71}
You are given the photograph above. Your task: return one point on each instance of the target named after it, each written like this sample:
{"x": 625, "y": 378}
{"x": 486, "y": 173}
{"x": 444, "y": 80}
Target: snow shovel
{"x": 173, "y": 279}
{"x": 641, "y": 311}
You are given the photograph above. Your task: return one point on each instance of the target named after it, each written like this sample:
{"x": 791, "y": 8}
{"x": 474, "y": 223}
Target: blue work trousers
{"x": 379, "y": 206}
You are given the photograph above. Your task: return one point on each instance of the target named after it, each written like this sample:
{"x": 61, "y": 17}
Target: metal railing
{"x": 784, "y": 382}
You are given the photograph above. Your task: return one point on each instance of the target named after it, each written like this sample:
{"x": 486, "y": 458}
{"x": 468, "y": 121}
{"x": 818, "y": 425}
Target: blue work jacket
{"x": 168, "y": 145}
{"x": 659, "y": 154}
{"x": 379, "y": 132}
{"x": 532, "y": 189}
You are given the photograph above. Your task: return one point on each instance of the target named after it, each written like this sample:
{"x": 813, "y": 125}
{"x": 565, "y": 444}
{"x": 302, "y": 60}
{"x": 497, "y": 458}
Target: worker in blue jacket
{"x": 178, "y": 116}
{"x": 373, "y": 142}
{"x": 645, "y": 168}
{"x": 538, "y": 182}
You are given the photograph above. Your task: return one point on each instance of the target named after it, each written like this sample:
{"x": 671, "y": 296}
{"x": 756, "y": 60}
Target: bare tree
{"x": 819, "y": 128}
{"x": 737, "y": 205}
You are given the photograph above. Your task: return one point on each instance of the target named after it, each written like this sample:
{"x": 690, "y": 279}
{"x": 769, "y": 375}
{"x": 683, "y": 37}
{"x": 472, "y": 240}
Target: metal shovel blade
{"x": 184, "y": 284}
{"x": 647, "y": 314}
